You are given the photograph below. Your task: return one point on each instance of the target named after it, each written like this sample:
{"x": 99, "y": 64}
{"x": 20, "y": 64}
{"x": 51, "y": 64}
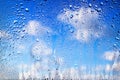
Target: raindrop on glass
{"x": 26, "y": 9}
{"x": 101, "y": 3}
{"x": 71, "y": 16}
{"x": 90, "y": 5}
{"x": 15, "y": 21}
{"x": 99, "y": 9}
{"x": 37, "y": 40}
{"x": 117, "y": 38}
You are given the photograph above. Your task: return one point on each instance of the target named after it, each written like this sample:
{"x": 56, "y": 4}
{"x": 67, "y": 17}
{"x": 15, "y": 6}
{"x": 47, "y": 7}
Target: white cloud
{"x": 3, "y": 34}
{"x": 99, "y": 68}
{"x": 108, "y": 67}
{"x": 34, "y": 70}
{"x": 20, "y": 48}
{"x": 41, "y": 49}
{"x": 83, "y": 68}
{"x": 29, "y": 71}
{"x": 37, "y": 69}
{"x": 8, "y": 72}
{"x": 85, "y": 21}
{"x": 82, "y": 34}
{"x": 79, "y": 18}
{"x": 35, "y": 28}
{"x": 116, "y": 66}
{"x": 110, "y": 55}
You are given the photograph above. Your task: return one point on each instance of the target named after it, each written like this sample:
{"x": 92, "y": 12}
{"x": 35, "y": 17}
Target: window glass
{"x": 60, "y": 39}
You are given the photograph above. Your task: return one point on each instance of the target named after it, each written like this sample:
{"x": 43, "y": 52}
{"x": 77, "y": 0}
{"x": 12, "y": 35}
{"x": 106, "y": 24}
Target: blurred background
{"x": 60, "y": 39}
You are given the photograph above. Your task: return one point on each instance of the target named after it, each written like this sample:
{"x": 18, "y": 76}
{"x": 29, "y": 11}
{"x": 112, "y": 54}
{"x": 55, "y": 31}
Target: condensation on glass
{"x": 60, "y": 39}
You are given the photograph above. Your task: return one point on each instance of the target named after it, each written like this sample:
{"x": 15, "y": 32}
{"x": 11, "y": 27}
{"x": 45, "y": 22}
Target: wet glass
{"x": 60, "y": 39}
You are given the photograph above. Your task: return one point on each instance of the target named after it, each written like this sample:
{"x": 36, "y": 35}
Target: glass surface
{"x": 60, "y": 39}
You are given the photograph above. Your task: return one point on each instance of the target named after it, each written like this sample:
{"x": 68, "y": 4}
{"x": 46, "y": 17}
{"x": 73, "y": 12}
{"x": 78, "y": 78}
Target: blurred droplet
{"x": 26, "y": 9}
{"x": 15, "y": 21}
{"x": 22, "y": 7}
{"x": 101, "y": 3}
{"x": 37, "y": 40}
{"x": 71, "y": 16}
{"x": 70, "y": 6}
{"x": 112, "y": 26}
{"x": 21, "y": 3}
{"x": 45, "y": 0}
{"x": 114, "y": 45}
{"x": 117, "y": 38}
{"x": 90, "y": 5}
{"x": 106, "y": 0}
{"x": 96, "y": 6}
{"x": 99, "y": 9}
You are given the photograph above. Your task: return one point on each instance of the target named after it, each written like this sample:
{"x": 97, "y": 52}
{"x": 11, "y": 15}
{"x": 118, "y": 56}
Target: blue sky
{"x": 64, "y": 34}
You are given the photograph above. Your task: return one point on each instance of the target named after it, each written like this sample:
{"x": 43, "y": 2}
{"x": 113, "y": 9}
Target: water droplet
{"x": 90, "y": 5}
{"x": 71, "y": 30}
{"x": 9, "y": 55}
{"x": 118, "y": 31}
{"x": 21, "y": 3}
{"x": 26, "y": 9}
{"x": 71, "y": 16}
{"x": 106, "y": 0}
{"x": 23, "y": 30}
{"x": 16, "y": 4}
{"x": 112, "y": 26}
{"x": 115, "y": 44}
{"x": 23, "y": 18}
{"x": 96, "y": 6}
{"x": 99, "y": 9}
{"x": 22, "y": 7}
{"x": 37, "y": 40}
{"x": 101, "y": 3}
{"x": 70, "y": 6}
{"x": 15, "y": 21}
{"x": 117, "y": 38}
{"x": 22, "y": 36}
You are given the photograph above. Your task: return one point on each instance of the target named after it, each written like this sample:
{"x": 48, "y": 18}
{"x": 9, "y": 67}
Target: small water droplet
{"x": 112, "y": 26}
{"x": 16, "y": 4}
{"x": 101, "y": 3}
{"x": 96, "y": 6}
{"x": 90, "y": 5}
{"x": 70, "y": 6}
{"x": 115, "y": 44}
{"x": 99, "y": 9}
{"x": 26, "y": 9}
{"x": 23, "y": 30}
{"x": 9, "y": 55}
{"x": 71, "y": 16}
{"x": 37, "y": 40}
{"x": 106, "y": 0}
{"x": 117, "y": 38}
{"x": 21, "y": 3}
{"x": 22, "y": 7}
{"x": 22, "y": 36}
{"x": 23, "y": 18}
{"x": 71, "y": 30}
{"x": 15, "y": 21}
